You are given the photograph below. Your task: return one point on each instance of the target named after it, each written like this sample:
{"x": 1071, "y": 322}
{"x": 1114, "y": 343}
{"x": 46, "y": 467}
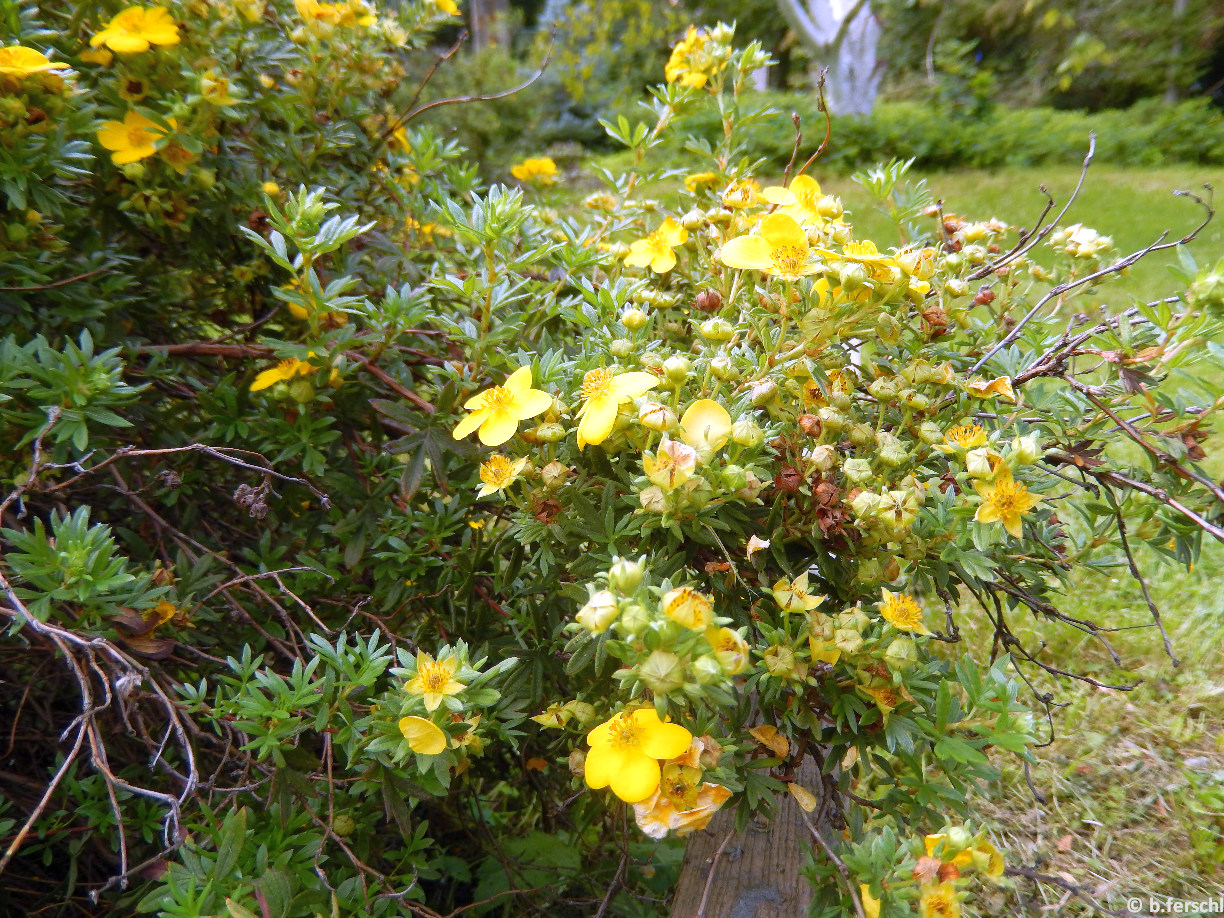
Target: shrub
{"x": 366, "y": 522}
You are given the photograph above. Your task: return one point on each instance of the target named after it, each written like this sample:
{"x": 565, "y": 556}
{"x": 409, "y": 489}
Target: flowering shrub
{"x": 407, "y": 530}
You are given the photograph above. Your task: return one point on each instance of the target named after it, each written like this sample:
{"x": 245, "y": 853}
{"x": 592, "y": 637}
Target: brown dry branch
{"x": 1117, "y": 267}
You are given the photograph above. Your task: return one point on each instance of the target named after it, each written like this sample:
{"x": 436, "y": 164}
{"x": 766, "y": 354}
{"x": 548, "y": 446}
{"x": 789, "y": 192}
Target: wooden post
{"x": 751, "y": 874}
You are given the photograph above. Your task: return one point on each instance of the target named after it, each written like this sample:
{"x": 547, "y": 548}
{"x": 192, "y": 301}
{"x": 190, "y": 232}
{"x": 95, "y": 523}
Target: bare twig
{"x": 1119, "y": 265}
{"x": 59, "y": 283}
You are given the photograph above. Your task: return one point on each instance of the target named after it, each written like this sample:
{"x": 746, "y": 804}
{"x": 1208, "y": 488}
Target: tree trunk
{"x": 842, "y": 35}
{"x": 756, "y": 874}
{"x": 489, "y": 24}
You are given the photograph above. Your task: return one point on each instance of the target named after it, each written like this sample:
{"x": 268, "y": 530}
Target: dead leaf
{"x": 771, "y": 739}
{"x": 805, "y": 798}
{"x": 1064, "y": 843}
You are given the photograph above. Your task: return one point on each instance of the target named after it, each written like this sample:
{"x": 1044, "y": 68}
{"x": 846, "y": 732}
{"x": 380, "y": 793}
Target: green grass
{"x": 1133, "y": 780}
{"x": 1134, "y": 206}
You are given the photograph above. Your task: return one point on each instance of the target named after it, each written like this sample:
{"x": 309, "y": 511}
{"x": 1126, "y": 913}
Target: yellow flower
{"x": 447, "y": 6}
{"x": 706, "y": 425}
{"x": 656, "y": 249}
{"x": 1004, "y": 501}
{"x": 600, "y": 611}
{"x": 999, "y": 386}
{"x": 690, "y": 63}
{"x": 793, "y": 595}
{"x": 871, "y": 905}
{"x": 424, "y": 736}
{"x": 963, "y": 437}
{"x": 801, "y": 200}
{"x": 282, "y": 372}
{"x": 434, "y": 680}
{"x": 678, "y": 806}
{"x": 136, "y": 28}
{"x": 902, "y": 612}
{"x": 96, "y": 56}
{"x": 18, "y": 61}
{"x": 939, "y": 901}
{"x": 131, "y": 139}
{"x": 987, "y": 859}
{"x": 780, "y": 250}
{"x": 216, "y": 90}
{"x": 603, "y": 393}
{"x": 741, "y": 193}
{"x": 498, "y": 473}
{"x": 685, "y": 606}
{"x": 730, "y": 649}
{"x": 133, "y": 89}
{"x": 671, "y": 466}
{"x": 700, "y": 180}
{"x": 178, "y": 156}
{"x": 625, "y": 753}
{"x": 498, "y": 410}
{"x": 539, "y": 169}
{"x": 755, "y": 544}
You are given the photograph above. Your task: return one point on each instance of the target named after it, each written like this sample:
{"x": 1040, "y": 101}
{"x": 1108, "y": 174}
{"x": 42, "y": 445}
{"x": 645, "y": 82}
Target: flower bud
{"x": 830, "y": 207}
{"x": 634, "y": 618}
{"x": 885, "y": 388}
{"x": 822, "y": 457}
{"x": 662, "y": 672}
{"x": 554, "y": 475}
{"x": 550, "y": 433}
{"x": 857, "y": 470}
{"x": 655, "y": 416}
{"x": 957, "y": 287}
{"x": 901, "y": 654}
{"x": 745, "y": 432}
{"x": 677, "y": 368}
{"x": 709, "y": 301}
{"x": 620, "y": 348}
{"x": 599, "y": 612}
{"x": 893, "y": 455}
{"x": 752, "y": 489}
{"x": 832, "y": 419}
{"x": 723, "y": 369}
{"x": 653, "y": 500}
{"x": 763, "y": 390}
{"x": 841, "y": 233}
{"x": 1025, "y": 451}
{"x": 888, "y": 328}
{"x": 929, "y": 432}
{"x": 980, "y": 463}
{"x": 693, "y": 220}
{"x": 625, "y": 575}
{"x": 914, "y": 400}
{"x": 865, "y": 504}
{"x": 854, "y": 276}
{"x": 734, "y": 477}
{"x": 862, "y": 434}
{"x": 634, "y": 318}
{"x": 717, "y": 329}
{"x": 707, "y": 670}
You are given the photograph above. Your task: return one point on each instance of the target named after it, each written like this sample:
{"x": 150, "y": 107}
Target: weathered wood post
{"x": 749, "y": 874}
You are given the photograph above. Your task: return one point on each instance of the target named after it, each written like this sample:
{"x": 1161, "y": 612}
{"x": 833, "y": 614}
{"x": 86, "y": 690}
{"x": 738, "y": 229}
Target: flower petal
{"x": 424, "y": 736}
{"x": 498, "y": 427}
{"x": 746, "y": 252}
{"x": 470, "y": 423}
{"x": 666, "y": 741}
{"x": 519, "y": 380}
{"x": 530, "y": 402}
{"x": 705, "y": 425}
{"x": 780, "y": 230}
{"x": 776, "y": 194}
{"x": 663, "y": 261}
{"x": 631, "y": 385}
{"x": 636, "y": 778}
{"x": 597, "y": 421}
{"x": 602, "y": 762}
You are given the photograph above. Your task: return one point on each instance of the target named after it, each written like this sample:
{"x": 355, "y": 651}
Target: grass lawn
{"x": 1134, "y": 206}
{"x": 1132, "y": 781}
